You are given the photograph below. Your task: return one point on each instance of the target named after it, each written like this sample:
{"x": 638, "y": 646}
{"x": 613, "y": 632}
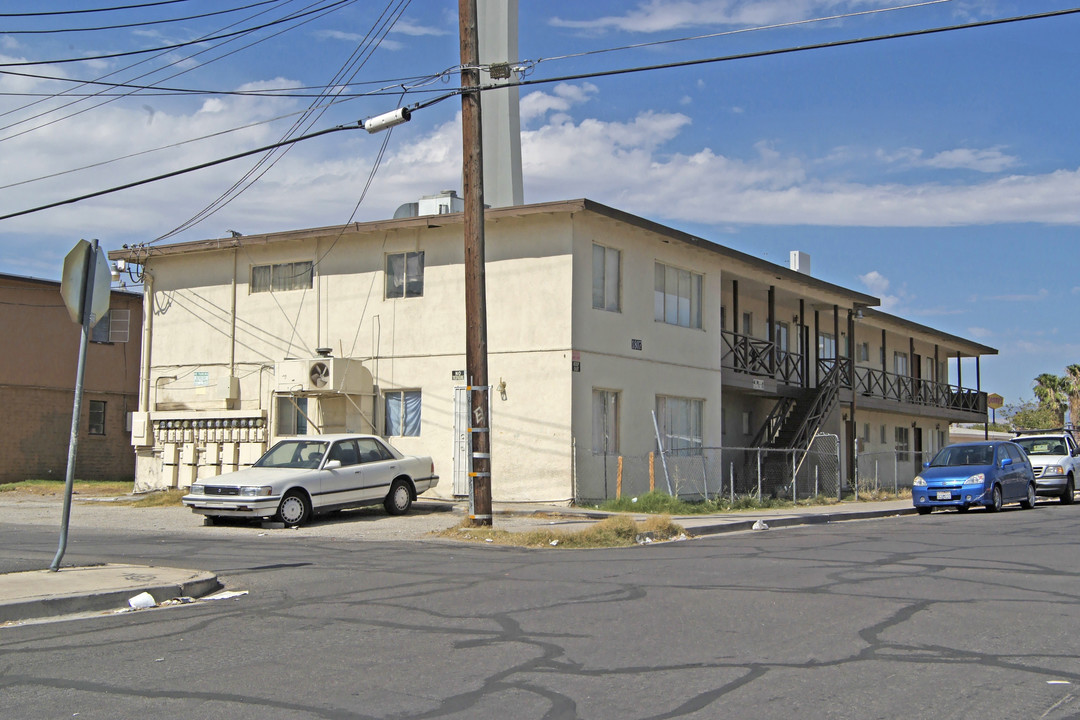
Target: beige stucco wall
{"x": 405, "y": 343}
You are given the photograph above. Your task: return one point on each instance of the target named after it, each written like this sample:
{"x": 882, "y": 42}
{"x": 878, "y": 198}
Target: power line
{"x": 740, "y": 31}
{"x": 93, "y": 10}
{"x": 52, "y": 31}
{"x": 783, "y": 51}
{"x": 164, "y": 48}
{"x": 250, "y": 178}
{"x": 174, "y": 173}
{"x": 323, "y": 11}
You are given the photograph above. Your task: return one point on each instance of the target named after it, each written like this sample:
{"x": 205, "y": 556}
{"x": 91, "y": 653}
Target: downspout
{"x": 978, "y": 396}
{"x": 148, "y": 332}
{"x": 232, "y": 318}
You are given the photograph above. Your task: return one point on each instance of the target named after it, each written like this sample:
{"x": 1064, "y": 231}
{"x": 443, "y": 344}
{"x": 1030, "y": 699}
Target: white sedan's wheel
{"x": 399, "y": 499}
{"x": 293, "y": 510}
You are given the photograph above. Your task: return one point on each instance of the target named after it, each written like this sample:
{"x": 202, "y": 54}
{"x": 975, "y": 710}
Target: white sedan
{"x": 305, "y": 475}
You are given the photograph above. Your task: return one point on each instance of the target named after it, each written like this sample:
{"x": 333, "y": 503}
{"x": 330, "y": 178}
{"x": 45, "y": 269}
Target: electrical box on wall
{"x": 140, "y": 429}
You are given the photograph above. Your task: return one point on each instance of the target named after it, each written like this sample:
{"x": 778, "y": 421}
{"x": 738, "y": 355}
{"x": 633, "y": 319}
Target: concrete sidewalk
{"x": 43, "y": 593}
{"x": 98, "y": 588}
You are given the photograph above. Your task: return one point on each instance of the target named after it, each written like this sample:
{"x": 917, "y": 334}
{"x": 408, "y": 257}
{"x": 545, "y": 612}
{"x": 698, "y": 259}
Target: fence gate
{"x": 820, "y": 473}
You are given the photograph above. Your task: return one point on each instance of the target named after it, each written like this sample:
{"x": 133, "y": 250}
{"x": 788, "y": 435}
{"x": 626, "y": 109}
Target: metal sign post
{"x": 84, "y": 268}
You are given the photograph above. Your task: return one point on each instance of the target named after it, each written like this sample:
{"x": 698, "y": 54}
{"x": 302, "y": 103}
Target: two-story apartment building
{"x": 606, "y": 331}
{"x": 37, "y": 383}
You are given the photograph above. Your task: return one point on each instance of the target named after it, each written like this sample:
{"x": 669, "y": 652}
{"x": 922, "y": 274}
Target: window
{"x": 900, "y": 366}
{"x": 902, "y": 436}
{"x": 345, "y": 453}
{"x": 403, "y": 413}
{"x": 747, "y": 418}
{"x": 826, "y": 346}
{"x": 605, "y": 422}
{"x": 97, "y": 417}
{"x": 282, "y": 276}
{"x": 747, "y": 323}
{"x": 112, "y": 328}
{"x": 371, "y": 450}
{"x": 781, "y": 334}
{"x": 866, "y": 432}
{"x": 605, "y": 278}
{"x": 677, "y": 299}
{"x": 405, "y": 275}
{"x": 292, "y": 415}
{"x": 882, "y": 434}
{"x": 862, "y": 351}
{"x": 680, "y": 424}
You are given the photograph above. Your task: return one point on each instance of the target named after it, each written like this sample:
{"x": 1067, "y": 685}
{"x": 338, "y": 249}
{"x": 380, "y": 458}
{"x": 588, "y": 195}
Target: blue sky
{"x": 940, "y": 173}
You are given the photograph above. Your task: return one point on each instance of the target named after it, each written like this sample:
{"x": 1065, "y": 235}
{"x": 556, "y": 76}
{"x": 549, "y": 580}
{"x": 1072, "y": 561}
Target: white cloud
{"x": 875, "y": 282}
{"x": 563, "y": 97}
{"x": 980, "y": 333}
{"x": 660, "y": 15}
{"x": 987, "y": 161}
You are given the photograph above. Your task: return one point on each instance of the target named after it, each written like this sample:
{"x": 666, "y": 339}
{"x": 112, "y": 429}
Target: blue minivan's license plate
{"x": 944, "y": 495}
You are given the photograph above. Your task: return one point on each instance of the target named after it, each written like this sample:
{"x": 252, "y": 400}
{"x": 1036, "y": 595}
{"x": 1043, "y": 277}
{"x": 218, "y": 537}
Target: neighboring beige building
{"x": 37, "y": 384}
{"x": 597, "y": 319}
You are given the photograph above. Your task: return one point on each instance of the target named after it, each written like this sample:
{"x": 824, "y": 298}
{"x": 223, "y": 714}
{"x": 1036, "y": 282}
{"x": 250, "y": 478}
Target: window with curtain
{"x": 402, "y": 413}
{"x": 405, "y": 275}
{"x": 605, "y": 422}
{"x": 826, "y": 347}
{"x": 605, "y": 278}
{"x": 900, "y": 363}
{"x": 680, "y": 421}
{"x": 282, "y": 276}
{"x": 677, "y": 296}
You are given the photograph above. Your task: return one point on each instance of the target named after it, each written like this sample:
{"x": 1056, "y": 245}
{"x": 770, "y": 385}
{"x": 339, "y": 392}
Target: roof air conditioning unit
{"x": 323, "y": 375}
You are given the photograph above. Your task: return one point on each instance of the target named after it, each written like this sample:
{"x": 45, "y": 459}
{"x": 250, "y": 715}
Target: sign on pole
{"x": 85, "y": 289}
{"x": 74, "y": 279}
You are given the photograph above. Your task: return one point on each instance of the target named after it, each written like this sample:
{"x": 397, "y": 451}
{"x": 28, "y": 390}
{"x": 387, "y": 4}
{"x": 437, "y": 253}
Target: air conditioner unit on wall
{"x": 323, "y": 375}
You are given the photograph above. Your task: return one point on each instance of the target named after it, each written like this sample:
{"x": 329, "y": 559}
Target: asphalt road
{"x": 916, "y": 617}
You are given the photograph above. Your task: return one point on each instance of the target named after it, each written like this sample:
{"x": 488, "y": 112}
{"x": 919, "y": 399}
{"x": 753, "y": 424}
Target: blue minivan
{"x": 979, "y": 473}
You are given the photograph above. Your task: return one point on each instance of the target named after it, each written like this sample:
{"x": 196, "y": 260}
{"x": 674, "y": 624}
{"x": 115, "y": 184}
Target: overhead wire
{"x": 182, "y": 171}
{"x": 82, "y": 11}
{"x": 177, "y": 61}
{"x": 162, "y": 48}
{"x": 143, "y": 23}
{"x": 595, "y": 74}
{"x": 380, "y": 29}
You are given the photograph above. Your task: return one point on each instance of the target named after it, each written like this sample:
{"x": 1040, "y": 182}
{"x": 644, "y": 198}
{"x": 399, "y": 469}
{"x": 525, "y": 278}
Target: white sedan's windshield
{"x": 294, "y": 454}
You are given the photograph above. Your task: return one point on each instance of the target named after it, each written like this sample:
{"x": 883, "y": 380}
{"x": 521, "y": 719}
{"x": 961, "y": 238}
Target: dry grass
{"x": 85, "y": 488}
{"x": 160, "y": 498}
{"x": 615, "y": 531}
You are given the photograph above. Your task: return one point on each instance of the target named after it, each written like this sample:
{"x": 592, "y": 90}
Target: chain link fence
{"x": 890, "y": 470}
{"x": 709, "y": 473}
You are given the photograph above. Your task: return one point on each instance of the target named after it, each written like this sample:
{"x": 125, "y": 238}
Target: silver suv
{"x": 1055, "y": 459}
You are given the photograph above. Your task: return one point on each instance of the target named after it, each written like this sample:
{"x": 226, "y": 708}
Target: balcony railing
{"x": 761, "y": 358}
{"x": 871, "y": 382}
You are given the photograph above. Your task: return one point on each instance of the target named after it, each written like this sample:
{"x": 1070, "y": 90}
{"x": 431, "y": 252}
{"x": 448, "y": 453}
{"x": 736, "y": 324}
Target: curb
{"x": 795, "y": 521}
{"x": 36, "y": 608}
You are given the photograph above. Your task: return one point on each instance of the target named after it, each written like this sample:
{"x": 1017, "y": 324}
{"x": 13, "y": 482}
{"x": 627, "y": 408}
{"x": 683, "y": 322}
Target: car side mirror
{"x": 1006, "y": 461}
{"x": 332, "y": 464}
{"x": 926, "y": 464}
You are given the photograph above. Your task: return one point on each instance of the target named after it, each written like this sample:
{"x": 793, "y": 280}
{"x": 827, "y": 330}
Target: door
{"x": 378, "y": 468}
{"x": 916, "y": 378}
{"x": 342, "y": 484}
{"x": 917, "y": 446}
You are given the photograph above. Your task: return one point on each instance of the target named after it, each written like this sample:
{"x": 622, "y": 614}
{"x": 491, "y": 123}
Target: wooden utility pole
{"x": 476, "y": 370}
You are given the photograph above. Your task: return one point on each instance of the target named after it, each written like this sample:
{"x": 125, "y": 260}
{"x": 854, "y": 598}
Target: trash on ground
{"x": 761, "y": 525}
{"x": 141, "y": 601}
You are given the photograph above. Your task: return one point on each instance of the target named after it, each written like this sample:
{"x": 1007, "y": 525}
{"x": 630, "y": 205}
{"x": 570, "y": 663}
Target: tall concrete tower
{"x": 500, "y": 112}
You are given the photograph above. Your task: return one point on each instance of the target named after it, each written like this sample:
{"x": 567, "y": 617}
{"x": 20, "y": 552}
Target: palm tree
{"x": 1053, "y": 393}
{"x": 1072, "y": 377}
